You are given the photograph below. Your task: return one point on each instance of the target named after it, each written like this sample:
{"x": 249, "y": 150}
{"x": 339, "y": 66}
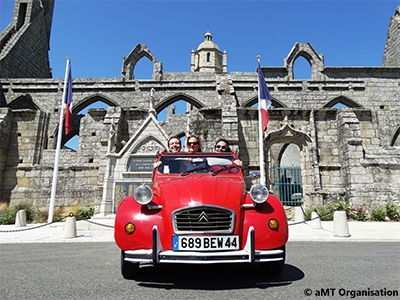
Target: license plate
{"x": 205, "y": 243}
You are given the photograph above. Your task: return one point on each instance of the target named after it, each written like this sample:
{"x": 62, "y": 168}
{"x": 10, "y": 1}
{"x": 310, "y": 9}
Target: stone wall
{"x": 350, "y": 153}
{"x": 25, "y": 43}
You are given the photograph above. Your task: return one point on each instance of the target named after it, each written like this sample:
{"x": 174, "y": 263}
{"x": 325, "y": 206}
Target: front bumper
{"x": 248, "y": 255}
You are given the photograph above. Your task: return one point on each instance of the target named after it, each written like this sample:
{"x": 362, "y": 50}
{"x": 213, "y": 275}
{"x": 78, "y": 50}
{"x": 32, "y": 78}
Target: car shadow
{"x": 213, "y": 277}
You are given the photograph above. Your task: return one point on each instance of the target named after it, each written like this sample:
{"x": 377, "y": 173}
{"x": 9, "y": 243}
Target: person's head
{"x": 193, "y": 143}
{"x": 222, "y": 145}
{"x": 174, "y": 144}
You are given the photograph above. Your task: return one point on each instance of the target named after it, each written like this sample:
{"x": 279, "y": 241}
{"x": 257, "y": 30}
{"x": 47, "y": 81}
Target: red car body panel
{"x": 173, "y": 192}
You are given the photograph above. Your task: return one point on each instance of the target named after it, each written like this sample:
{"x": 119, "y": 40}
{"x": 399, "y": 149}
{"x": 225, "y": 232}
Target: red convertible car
{"x": 198, "y": 211}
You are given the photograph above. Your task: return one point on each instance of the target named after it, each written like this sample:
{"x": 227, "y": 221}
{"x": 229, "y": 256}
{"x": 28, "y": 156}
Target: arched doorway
{"x": 287, "y": 176}
{"x": 286, "y": 155}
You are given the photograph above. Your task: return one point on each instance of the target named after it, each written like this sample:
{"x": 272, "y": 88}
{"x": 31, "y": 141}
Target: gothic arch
{"x": 275, "y": 103}
{"x": 142, "y": 146}
{"x": 344, "y": 100}
{"x": 23, "y": 102}
{"x": 146, "y": 141}
{"x": 129, "y": 62}
{"x": 287, "y": 135}
{"x": 307, "y": 51}
{"x": 180, "y": 96}
{"x": 77, "y": 106}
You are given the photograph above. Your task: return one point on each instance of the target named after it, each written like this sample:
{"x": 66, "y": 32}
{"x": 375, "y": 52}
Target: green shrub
{"x": 307, "y": 213}
{"x": 378, "y": 214}
{"x": 84, "y": 214}
{"x": 8, "y": 215}
{"x": 326, "y": 211}
{"x": 393, "y": 211}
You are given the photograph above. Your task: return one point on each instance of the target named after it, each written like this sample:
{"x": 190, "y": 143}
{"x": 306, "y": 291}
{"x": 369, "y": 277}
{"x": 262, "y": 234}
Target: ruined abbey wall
{"x": 349, "y": 153}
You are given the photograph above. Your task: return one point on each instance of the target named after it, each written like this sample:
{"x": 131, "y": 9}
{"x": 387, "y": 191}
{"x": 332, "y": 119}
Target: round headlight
{"x": 259, "y": 193}
{"x": 143, "y": 194}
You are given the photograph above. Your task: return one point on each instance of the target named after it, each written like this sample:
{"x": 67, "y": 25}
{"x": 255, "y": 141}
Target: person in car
{"x": 222, "y": 145}
{"x": 193, "y": 143}
{"x": 174, "y": 145}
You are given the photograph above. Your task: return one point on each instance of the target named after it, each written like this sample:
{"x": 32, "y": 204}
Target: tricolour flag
{"x": 68, "y": 99}
{"x": 264, "y": 97}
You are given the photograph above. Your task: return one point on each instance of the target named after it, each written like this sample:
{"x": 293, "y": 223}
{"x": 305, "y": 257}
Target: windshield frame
{"x": 185, "y": 163}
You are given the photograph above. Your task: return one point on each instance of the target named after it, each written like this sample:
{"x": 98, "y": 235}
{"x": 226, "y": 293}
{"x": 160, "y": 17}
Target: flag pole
{"x": 260, "y": 134}
{"x": 59, "y": 140}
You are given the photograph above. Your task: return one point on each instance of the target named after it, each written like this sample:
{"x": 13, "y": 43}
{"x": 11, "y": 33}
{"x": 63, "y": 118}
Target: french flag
{"x": 264, "y": 97}
{"x": 68, "y": 99}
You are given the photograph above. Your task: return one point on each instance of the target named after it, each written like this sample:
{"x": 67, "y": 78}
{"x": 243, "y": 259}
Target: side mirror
{"x": 254, "y": 175}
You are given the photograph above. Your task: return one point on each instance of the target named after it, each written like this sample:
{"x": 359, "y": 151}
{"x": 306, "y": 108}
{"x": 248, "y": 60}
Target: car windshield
{"x": 185, "y": 165}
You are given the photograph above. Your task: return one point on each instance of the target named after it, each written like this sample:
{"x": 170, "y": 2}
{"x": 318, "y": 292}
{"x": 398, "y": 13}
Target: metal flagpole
{"x": 260, "y": 134}
{"x": 59, "y": 138}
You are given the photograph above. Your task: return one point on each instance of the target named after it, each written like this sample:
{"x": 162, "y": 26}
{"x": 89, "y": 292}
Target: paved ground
{"x": 100, "y": 229}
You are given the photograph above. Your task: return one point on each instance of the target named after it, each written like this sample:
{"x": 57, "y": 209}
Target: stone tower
{"x": 391, "y": 57}
{"x": 208, "y": 57}
{"x": 25, "y": 43}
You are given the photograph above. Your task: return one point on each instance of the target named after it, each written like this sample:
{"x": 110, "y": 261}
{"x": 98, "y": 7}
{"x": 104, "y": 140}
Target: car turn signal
{"x": 130, "y": 228}
{"x": 273, "y": 224}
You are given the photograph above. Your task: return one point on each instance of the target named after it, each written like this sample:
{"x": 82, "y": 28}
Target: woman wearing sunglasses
{"x": 193, "y": 143}
{"x": 222, "y": 145}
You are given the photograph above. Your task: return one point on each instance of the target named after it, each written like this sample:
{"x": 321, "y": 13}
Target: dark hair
{"x": 175, "y": 137}
{"x": 228, "y": 149}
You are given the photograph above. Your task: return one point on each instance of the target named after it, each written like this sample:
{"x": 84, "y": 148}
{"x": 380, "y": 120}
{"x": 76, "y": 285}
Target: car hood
{"x": 195, "y": 190}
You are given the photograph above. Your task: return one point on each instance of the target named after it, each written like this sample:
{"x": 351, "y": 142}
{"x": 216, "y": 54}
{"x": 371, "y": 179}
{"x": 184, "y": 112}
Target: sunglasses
{"x": 219, "y": 146}
{"x": 193, "y": 143}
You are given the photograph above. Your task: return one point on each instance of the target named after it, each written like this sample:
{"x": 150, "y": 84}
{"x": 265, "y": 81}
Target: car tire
{"x": 129, "y": 270}
{"x": 274, "y": 268}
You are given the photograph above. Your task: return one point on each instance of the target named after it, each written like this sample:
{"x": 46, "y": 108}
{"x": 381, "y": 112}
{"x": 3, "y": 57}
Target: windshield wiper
{"x": 224, "y": 168}
{"x": 193, "y": 170}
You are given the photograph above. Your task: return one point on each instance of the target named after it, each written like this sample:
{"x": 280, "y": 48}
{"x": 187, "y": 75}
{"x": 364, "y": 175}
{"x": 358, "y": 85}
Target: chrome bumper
{"x": 247, "y": 255}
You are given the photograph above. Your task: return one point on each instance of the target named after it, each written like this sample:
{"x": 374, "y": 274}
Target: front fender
{"x": 259, "y": 216}
{"x": 142, "y": 218}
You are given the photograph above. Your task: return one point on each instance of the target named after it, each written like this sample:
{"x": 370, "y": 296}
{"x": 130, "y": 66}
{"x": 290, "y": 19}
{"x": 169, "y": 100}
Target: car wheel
{"x": 129, "y": 270}
{"x": 274, "y": 268}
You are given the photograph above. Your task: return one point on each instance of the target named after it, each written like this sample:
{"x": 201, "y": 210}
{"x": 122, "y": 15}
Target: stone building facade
{"x": 341, "y": 126}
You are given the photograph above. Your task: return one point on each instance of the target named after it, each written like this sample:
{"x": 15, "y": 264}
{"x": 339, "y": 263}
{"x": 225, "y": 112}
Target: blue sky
{"x": 97, "y": 34}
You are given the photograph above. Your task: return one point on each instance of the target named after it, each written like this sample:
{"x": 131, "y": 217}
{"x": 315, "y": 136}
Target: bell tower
{"x": 208, "y": 57}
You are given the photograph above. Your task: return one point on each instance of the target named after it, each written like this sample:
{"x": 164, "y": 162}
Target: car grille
{"x": 203, "y": 219}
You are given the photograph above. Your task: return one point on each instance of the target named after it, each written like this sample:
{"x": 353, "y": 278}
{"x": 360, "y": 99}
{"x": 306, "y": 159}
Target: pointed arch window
{"x": 301, "y": 68}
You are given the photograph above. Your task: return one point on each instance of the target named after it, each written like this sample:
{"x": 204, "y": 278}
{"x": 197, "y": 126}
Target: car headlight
{"x": 259, "y": 193}
{"x": 143, "y": 194}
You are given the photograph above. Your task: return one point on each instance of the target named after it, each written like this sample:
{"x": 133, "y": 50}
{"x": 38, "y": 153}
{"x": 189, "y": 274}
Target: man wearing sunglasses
{"x": 222, "y": 145}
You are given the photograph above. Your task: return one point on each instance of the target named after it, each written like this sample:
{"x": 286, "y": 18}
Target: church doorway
{"x": 287, "y": 179}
